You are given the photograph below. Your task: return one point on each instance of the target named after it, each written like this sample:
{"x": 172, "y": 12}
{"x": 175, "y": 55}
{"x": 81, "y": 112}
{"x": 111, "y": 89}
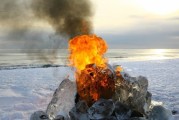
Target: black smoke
{"x": 67, "y": 17}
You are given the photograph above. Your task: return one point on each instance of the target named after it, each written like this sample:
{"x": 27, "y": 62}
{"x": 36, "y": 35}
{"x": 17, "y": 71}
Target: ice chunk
{"x": 132, "y": 91}
{"x": 101, "y": 109}
{"x": 39, "y": 115}
{"x": 160, "y": 113}
{"x": 59, "y": 117}
{"x": 122, "y": 111}
{"x": 79, "y": 111}
{"x": 63, "y": 99}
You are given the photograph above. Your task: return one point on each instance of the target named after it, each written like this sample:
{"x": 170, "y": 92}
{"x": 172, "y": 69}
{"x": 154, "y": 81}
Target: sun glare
{"x": 160, "y": 7}
{"x": 159, "y": 51}
{"x": 157, "y": 54}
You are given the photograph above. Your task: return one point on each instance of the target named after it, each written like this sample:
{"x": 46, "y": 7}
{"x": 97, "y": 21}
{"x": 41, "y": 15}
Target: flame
{"x": 118, "y": 70}
{"x": 93, "y": 77}
{"x": 87, "y": 49}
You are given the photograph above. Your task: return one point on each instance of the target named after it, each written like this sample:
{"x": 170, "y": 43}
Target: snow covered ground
{"x": 23, "y": 91}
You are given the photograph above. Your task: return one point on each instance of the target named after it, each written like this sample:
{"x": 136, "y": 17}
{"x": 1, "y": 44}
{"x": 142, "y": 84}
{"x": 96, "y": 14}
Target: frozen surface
{"x": 23, "y": 91}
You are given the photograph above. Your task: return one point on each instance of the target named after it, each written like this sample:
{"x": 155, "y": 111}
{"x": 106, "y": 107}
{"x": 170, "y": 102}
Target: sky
{"x": 122, "y": 23}
{"x": 138, "y": 23}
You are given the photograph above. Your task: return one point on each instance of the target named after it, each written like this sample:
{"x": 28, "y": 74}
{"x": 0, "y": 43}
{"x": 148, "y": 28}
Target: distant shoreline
{"x": 12, "y": 67}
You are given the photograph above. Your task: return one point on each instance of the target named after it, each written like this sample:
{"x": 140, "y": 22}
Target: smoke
{"x": 19, "y": 21}
{"x": 12, "y": 11}
{"x": 15, "y": 17}
{"x": 67, "y": 17}
{"x": 16, "y": 20}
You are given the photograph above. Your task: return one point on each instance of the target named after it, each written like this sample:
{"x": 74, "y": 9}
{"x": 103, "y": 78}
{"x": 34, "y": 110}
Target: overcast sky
{"x": 122, "y": 23}
{"x": 138, "y": 23}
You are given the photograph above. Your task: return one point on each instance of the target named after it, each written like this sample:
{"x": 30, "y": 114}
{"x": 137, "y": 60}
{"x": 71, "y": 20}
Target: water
{"x": 19, "y": 58}
{"x": 142, "y": 54}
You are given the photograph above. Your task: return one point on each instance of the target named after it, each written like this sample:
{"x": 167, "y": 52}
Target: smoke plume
{"x": 15, "y": 18}
{"x": 19, "y": 21}
{"x": 67, "y": 17}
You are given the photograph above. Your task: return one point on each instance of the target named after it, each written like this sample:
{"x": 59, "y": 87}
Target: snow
{"x": 24, "y": 91}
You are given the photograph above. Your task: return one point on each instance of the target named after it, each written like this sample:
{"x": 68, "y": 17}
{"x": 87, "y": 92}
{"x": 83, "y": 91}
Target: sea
{"x": 15, "y": 58}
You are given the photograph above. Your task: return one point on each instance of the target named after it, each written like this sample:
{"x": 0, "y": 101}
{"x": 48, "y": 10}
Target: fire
{"x": 118, "y": 70}
{"x": 87, "y": 49}
{"x": 94, "y": 79}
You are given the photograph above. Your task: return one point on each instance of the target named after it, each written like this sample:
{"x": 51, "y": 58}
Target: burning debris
{"x": 103, "y": 92}
{"x": 94, "y": 83}
{"x": 93, "y": 77}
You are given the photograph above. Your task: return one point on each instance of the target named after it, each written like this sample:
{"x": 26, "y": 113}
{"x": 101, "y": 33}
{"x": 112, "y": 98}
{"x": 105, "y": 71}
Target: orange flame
{"x": 87, "y": 49}
{"x": 93, "y": 77}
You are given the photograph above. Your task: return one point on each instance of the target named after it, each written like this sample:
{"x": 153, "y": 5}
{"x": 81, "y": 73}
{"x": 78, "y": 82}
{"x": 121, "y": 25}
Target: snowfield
{"x": 24, "y": 91}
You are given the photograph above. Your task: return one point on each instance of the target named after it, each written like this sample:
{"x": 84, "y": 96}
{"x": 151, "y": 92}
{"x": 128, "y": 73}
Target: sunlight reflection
{"x": 158, "y": 54}
{"x": 159, "y": 51}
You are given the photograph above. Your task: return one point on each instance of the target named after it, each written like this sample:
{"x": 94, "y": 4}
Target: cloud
{"x": 174, "y": 18}
{"x": 151, "y": 35}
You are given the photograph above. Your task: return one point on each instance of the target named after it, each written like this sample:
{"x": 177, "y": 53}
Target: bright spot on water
{"x": 158, "y": 54}
{"x": 160, "y": 51}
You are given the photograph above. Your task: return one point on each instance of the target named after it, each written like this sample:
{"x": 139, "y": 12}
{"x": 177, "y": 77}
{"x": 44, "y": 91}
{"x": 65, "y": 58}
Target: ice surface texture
{"x": 24, "y": 91}
{"x": 63, "y": 99}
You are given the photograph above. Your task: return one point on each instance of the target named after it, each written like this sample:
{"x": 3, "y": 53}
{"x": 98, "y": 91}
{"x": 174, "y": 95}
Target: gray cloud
{"x": 151, "y": 35}
{"x": 175, "y": 18}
